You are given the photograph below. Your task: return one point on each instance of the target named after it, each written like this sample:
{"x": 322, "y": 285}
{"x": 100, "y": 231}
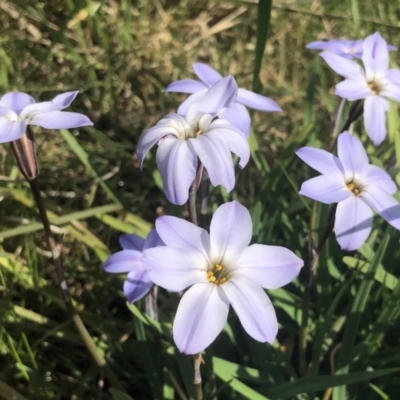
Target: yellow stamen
{"x": 210, "y": 274}
{"x": 353, "y": 188}
{"x": 198, "y": 133}
{"x": 218, "y": 267}
{"x": 222, "y": 280}
{"x": 374, "y": 87}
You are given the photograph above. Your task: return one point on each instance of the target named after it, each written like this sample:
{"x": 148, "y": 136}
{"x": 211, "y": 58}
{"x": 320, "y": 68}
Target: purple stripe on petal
{"x": 253, "y": 307}
{"x": 375, "y": 57}
{"x": 202, "y": 314}
{"x": 353, "y": 223}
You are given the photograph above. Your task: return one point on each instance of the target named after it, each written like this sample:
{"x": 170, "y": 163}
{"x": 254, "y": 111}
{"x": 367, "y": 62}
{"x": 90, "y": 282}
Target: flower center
{"x": 217, "y": 275}
{"x": 354, "y": 188}
{"x": 375, "y": 87}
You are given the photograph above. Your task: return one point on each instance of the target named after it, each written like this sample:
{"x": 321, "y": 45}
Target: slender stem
{"x": 198, "y": 391}
{"x": 56, "y": 254}
{"x": 150, "y": 303}
{"x": 314, "y": 253}
{"x": 191, "y": 204}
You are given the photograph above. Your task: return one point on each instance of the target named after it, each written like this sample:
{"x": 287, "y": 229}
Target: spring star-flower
{"x": 199, "y": 135}
{"x": 237, "y": 114}
{"x": 137, "y": 283}
{"x": 219, "y": 269}
{"x": 17, "y": 110}
{"x": 357, "y": 186}
{"x": 375, "y": 83}
{"x": 342, "y": 47}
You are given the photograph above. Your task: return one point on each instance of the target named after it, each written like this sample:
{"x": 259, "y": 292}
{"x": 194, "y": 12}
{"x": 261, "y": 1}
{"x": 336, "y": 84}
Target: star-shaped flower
{"x": 375, "y": 83}
{"x": 137, "y": 283}
{"x": 200, "y": 135}
{"x": 17, "y": 110}
{"x": 357, "y": 186}
{"x": 342, "y": 47}
{"x": 219, "y": 269}
{"x": 237, "y": 113}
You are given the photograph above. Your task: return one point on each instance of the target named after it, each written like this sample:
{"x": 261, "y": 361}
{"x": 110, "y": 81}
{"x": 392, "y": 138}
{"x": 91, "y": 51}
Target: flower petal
{"x": 230, "y": 232}
{"x": 123, "y": 261}
{"x": 378, "y": 177}
{"x": 239, "y": 117}
{"x": 183, "y": 108}
{"x": 236, "y": 141}
{"x": 11, "y": 130}
{"x": 391, "y": 90}
{"x": 177, "y": 163}
{"x": 16, "y": 101}
{"x": 186, "y": 86}
{"x": 256, "y": 101}
{"x": 215, "y": 155}
{"x": 150, "y": 137}
{"x": 131, "y": 242}
{"x": 153, "y": 240}
{"x": 268, "y": 266}
{"x": 253, "y": 307}
{"x": 59, "y": 102}
{"x": 375, "y": 108}
{"x": 219, "y": 97}
{"x": 383, "y": 203}
{"x": 325, "y": 189}
{"x": 346, "y": 68}
{"x": 353, "y": 89}
{"x": 322, "y": 161}
{"x": 394, "y": 76}
{"x": 60, "y": 120}
{"x": 202, "y": 314}
{"x": 137, "y": 284}
{"x": 351, "y": 154}
{"x": 353, "y": 223}
{"x": 375, "y": 56}
{"x": 175, "y": 269}
{"x": 206, "y": 73}
{"x": 176, "y": 232}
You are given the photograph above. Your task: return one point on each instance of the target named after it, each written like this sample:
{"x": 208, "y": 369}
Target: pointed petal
{"x": 59, "y": 102}
{"x": 151, "y": 137}
{"x": 186, "y": 86}
{"x": 215, "y": 155}
{"x": 375, "y": 56}
{"x": 123, "y": 261}
{"x": 270, "y": 267}
{"x": 153, "y": 240}
{"x": 177, "y": 163}
{"x": 353, "y": 223}
{"x": 177, "y": 232}
{"x": 131, "y": 242}
{"x": 322, "y": 161}
{"x": 353, "y": 89}
{"x": 391, "y": 90}
{"x": 351, "y": 154}
{"x": 206, "y": 73}
{"x": 375, "y": 108}
{"x": 253, "y": 307}
{"x": 137, "y": 284}
{"x": 325, "y": 189}
{"x": 376, "y": 176}
{"x": 256, "y": 101}
{"x": 239, "y": 117}
{"x": 60, "y": 120}
{"x": 11, "y": 130}
{"x": 230, "y": 232}
{"x": 383, "y": 203}
{"x": 202, "y": 314}
{"x": 219, "y": 97}
{"x": 342, "y": 66}
{"x": 16, "y": 101}
{"x": 394, "y": 76}
{"x": 183, "y": 108}
{"x": 175, "y": 269}
{"x": 236, "y": 141}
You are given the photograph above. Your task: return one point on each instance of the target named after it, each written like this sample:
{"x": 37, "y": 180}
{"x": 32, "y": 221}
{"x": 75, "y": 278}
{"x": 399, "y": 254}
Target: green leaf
{"x": 118, "y": 395}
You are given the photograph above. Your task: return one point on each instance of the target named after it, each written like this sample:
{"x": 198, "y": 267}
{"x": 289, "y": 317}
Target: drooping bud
{"x": 25, "y": 153}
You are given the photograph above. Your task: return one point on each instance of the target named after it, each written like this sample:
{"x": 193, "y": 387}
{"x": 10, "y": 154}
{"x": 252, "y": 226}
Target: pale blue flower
{"x": 220, "y": 269}
{"x": 375, "y": 83}
{"x": 183, "y": 140}
{"x": 137, "y": 283}
{"x": 357, "y": 186}
{"x": 237, "y": 113}
{"x": 17, "y": 110}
